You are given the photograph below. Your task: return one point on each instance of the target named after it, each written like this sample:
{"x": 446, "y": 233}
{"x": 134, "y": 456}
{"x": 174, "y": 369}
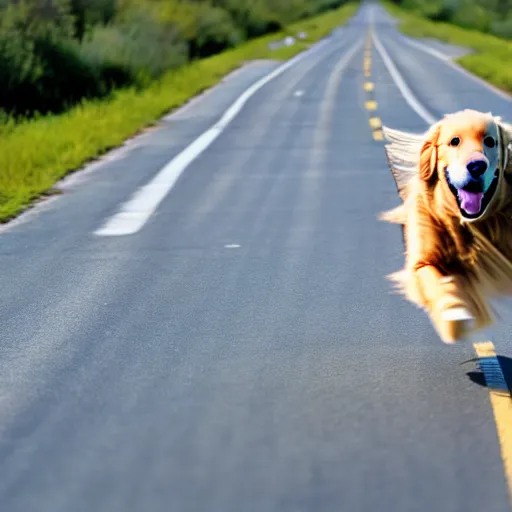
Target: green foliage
{"x": 136, "y": 50}
{"x": 54, "y": 53}
{"x": 492, "y": 16}
{"x": 254, "y": 17}
{"x": 502, "y": 28}
{"x": 89, "y": 13}
{"x": 216, "y": 31}
{"x": 41, "y": 66}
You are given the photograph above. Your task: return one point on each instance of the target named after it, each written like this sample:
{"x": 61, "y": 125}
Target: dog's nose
{"x": 476, "y": 168}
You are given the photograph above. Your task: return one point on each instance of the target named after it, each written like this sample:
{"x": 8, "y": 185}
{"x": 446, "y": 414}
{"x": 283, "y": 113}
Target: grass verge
{"x": 35, "y": 154}
{"x": 492, "y": 55}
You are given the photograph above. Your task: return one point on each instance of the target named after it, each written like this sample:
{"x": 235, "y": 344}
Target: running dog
{"x": 455, "y": 183}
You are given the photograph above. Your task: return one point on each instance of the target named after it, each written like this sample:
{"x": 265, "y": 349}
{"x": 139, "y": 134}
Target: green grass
{"x": 491, "y": 58}
{"x": 37, "y": 153}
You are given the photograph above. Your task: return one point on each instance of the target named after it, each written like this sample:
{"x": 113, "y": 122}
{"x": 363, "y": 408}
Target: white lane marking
{"x": 427, "y": 49}
{"x": 232, "y": 246}
{"x": 400, "y": 82}
{"x": 135, "y": 213}
{"x": 299, "y": 93}
{"x": 448, "y": 60}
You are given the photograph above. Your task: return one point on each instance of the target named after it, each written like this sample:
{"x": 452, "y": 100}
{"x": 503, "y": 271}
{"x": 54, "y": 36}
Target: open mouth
{"x": 471, "y": 199}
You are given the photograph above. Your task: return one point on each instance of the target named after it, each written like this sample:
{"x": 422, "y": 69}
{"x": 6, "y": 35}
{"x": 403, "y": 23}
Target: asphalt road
{"x": 243, "y": 351}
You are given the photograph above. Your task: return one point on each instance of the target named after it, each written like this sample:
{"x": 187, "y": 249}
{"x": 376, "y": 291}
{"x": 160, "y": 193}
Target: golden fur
{"x": 453, "y": 264}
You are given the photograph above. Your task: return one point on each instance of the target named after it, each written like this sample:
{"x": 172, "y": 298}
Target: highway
{"x": 242, "y": 350}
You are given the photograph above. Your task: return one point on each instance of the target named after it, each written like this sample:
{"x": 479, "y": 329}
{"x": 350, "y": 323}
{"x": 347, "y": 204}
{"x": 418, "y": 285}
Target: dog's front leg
{"x": 447, "y": 303}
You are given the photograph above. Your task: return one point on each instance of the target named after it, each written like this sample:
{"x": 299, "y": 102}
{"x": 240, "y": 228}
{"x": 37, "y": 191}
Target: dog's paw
{"x": 456, "y": 324}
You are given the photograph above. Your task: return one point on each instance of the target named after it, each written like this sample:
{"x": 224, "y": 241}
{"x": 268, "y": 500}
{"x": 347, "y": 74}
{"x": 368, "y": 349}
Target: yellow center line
{"x": 371, "y": 105}
{"x": 502, "y": 409}
{"x": 369, "y": 86}
{"x": 375, "y": 122}
{"x": 378, "y": 135}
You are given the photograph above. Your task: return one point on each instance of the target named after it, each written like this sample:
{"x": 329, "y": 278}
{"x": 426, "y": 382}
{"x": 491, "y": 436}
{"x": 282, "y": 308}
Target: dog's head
{"x": 463, "y": 159}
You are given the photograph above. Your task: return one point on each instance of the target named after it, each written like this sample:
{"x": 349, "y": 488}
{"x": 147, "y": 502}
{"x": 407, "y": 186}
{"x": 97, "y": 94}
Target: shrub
{"x": 89, "y": 13}
{"x": 483, "y": 15}
{"x": 469, "y": 15}
{"x": 41, "y": 66}
{"x": 136, "y": 50}
{"x": 253, "y": 17}
{"x": 54, "y": 53}
{"x": 502, "y": 28}
{"x": 215, "y": 32}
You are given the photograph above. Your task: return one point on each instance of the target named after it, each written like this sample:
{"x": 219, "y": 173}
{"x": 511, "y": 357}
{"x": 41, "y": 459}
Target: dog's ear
{"x": 428, "y": 155}
{"x": 505, "y": 135}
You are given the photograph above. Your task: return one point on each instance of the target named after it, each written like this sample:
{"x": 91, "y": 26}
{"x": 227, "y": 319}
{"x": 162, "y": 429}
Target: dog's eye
{"x": 455, "y": 141}
{"x": 489, "y": 142}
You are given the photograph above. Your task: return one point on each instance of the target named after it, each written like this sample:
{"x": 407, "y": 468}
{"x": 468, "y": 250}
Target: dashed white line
{"x": 427, "y": 49}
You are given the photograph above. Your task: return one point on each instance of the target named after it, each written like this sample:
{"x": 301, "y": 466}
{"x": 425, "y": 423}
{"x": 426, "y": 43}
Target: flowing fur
{"x": 450, "y": 265}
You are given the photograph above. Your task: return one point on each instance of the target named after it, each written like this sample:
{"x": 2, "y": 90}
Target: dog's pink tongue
{"x": 471, "y": 202}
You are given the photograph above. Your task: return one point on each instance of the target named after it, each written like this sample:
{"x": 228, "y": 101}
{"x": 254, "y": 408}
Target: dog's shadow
{"x": 487, "y": 373}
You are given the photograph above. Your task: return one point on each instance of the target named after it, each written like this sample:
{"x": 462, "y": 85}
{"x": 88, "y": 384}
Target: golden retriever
{"x": 456, "y": 212}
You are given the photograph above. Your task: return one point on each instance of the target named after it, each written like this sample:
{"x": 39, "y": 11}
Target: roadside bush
{"x": 469, "y": 15}
{"x": 55, "y": 53}
{"x": 90, "y": 13}
{"x": 254, "y": 17}
{"x": 436, "y": 10}
{"x": 490, "y": 16}
{"x": 41, "y": 66}
{"x": 502, "y": 28}
{"x": 135, "y": 51}
{"x": 207, "y": 29}
{"x": 215, "y": 32}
